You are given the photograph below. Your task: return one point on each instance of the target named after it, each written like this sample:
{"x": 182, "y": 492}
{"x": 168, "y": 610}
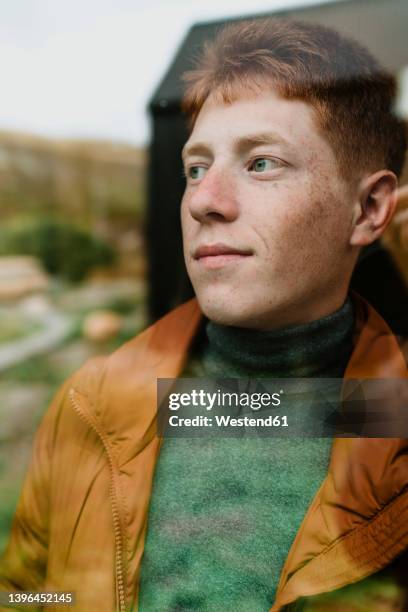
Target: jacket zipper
{"x": 114, "y": 502}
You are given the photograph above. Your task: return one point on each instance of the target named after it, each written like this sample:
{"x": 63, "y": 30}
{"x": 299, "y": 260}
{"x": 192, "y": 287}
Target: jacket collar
{"x": 126, "y": 389}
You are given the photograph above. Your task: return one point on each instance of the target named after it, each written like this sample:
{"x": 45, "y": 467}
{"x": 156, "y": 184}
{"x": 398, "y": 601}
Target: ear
{"x": 377, "y": 199}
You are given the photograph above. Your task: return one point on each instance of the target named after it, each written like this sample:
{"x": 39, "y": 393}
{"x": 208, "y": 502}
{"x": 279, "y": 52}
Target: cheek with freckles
{"x": 302, "y": 227}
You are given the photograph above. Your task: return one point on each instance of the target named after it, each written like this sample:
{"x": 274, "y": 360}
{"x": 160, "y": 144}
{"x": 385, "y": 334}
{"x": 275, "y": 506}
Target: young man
{"x": 291, "y": 168}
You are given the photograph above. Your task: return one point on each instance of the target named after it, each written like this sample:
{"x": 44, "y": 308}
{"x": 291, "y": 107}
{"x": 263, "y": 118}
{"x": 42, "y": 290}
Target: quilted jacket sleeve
{"x": 24, "y": 562}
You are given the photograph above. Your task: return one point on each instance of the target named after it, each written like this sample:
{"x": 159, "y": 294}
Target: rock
{"x": 21, "y": 276}
{"x": 36, "y": 306}
{"x": 102, "y": 325}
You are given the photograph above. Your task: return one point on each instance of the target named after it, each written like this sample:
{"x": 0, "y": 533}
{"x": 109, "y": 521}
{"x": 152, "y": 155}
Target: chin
{"x": 227, "y": 311}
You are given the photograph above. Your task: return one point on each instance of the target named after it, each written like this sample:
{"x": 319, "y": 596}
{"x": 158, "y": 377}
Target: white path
{"x": 56, "y": 328}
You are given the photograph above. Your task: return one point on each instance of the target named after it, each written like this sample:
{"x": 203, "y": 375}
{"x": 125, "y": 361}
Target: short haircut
{"x": 352, "y": 95}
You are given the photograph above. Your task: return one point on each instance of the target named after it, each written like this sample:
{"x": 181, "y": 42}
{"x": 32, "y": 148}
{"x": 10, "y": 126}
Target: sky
{"x": 87, "y": 68}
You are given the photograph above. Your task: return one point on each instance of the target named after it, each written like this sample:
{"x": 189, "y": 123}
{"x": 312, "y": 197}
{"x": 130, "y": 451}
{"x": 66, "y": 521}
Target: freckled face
{"x": 266, "y": 217}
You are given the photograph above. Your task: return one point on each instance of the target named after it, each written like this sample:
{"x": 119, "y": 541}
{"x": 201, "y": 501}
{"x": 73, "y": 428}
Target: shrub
{"x": 64, "y": 249}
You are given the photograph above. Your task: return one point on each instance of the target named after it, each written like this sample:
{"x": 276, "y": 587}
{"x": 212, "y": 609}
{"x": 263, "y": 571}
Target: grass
{"x": 14, "y": 327}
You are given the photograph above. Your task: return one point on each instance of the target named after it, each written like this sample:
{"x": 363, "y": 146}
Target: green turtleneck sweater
{"x": 224, "y": 511}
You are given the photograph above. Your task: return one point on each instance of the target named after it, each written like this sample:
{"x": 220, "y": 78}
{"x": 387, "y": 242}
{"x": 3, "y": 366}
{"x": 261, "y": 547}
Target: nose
{"x": 214, "y": 197}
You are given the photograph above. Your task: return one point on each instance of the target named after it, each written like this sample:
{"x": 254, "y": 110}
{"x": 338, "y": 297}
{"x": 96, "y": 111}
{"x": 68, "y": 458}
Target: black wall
{"x": 168, "y": 281}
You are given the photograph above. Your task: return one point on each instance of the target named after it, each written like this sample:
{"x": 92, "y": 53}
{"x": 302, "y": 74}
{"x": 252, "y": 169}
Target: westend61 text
{"x": 228, "y": 421}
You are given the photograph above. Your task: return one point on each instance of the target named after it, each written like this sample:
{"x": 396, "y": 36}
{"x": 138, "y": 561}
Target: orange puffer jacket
{"x": 81, "y": 520}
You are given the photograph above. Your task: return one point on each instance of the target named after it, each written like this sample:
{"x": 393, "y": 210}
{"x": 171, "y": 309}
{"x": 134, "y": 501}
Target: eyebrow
{"x": 241, "y": 144}
{"x": 263, "y": 138}
{"x": 198, "y": 148}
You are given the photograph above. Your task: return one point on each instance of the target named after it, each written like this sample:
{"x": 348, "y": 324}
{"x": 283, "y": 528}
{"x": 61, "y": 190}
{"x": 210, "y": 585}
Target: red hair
{"x": 353, "y": 97}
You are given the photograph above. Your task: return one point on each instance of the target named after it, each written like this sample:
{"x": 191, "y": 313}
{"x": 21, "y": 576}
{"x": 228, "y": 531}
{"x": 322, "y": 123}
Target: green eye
{"x": 263, "y": 164}
{"x": 196, "y": 172}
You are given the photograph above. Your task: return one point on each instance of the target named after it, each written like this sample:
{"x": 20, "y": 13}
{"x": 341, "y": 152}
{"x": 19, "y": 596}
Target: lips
{"x": 217, "y": 256}
{"x": 215, "y": 250}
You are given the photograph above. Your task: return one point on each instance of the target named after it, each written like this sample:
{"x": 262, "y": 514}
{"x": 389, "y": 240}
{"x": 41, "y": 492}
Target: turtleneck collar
{"x": 318, "y": 349}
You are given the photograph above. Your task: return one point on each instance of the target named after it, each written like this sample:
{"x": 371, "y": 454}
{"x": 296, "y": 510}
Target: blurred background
{"x": 91, "y": 182}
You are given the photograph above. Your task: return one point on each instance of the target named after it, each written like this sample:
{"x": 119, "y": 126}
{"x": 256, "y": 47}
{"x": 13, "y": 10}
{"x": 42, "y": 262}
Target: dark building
{"x": 380, "y": 25}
